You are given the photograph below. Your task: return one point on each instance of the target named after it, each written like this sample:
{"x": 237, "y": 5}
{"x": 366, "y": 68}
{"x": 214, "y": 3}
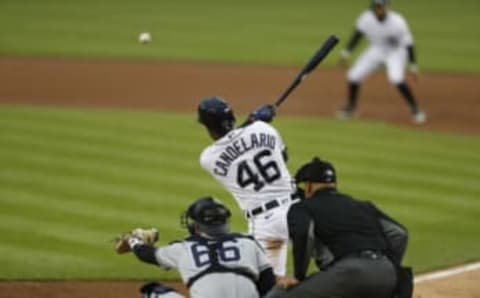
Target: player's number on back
{"x": 225, "y": 253}
{"x": 264, "y": 170}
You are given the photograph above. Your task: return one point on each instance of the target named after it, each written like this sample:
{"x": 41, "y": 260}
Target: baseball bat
{"x": 324, "y": 50}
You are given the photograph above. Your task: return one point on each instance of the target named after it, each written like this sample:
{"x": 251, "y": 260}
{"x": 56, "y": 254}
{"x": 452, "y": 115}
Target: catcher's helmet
{"x": 210, "y": 215}
{"x": 215, "y": 113}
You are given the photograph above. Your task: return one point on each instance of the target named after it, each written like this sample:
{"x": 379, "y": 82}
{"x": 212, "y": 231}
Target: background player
{"x": 250, "y": 163}
{"x": 390, "y": 44}
{"x": 212, "y": 262}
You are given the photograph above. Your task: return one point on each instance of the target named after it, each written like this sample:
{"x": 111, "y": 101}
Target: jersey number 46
{"x": 263, "y": 170}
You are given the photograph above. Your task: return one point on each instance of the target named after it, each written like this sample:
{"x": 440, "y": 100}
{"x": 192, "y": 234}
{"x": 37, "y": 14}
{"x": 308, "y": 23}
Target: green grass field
{"x": 71, "y": 179}
{"x": 277, "y": 32}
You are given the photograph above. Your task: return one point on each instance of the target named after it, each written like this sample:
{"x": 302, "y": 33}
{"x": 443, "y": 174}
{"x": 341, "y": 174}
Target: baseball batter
{"x": 212, "y": 261}
{"x": 391, "y": 45}
{"x": 250, "y": 162}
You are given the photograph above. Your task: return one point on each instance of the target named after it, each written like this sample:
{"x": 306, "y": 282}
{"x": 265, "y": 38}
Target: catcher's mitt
{"x": 146, "y": 236}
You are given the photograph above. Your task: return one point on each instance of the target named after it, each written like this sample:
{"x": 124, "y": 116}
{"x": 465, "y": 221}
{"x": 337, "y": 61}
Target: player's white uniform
{"x": 388, "y": 45}
{"x": 248, "y": 162}
{"x": 191, "y": 257}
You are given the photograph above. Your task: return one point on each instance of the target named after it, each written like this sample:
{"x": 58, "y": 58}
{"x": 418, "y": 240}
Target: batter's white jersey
{"x": 192, "y": 256}
{"x": 249, "y": 163}
{"x": 388, "y": 45}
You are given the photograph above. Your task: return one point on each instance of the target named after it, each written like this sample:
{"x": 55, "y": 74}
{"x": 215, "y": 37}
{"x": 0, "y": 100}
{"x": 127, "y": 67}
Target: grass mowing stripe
{"x": 33, "y": 179}
{"x": 397, "y": 159}
{"x": 110, "y": 217}
{"x": 99, "y": 135}
{"x": 432, "y": 145}
{"x": 418, "y": 198}
{"x": 122, "y": 181}
{"x": 75, "y": 149}
{"x": 43, "y": 259}
{"x": 122, "y": 195}
{"x": 47, "y": 264}
{"x": 114, "y": 172}
{"x": 130, "y": 123}
{"x": 421, "y": 178}
{"x": 45, "y": 230}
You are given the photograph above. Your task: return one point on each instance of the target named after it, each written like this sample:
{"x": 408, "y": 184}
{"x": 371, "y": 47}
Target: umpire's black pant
{"x": 356, "y": 276}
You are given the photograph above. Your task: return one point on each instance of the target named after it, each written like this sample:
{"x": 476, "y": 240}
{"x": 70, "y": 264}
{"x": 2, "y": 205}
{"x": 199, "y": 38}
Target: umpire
{"x": 357, "y": 248}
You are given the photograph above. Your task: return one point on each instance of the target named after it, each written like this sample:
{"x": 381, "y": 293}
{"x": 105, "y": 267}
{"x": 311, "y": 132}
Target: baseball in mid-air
{"x": 144, "y": 37}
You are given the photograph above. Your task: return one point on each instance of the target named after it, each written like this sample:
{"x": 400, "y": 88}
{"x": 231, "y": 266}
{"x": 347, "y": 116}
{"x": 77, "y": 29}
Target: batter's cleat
{"x": 419, "y": 117}
{"x": 346, "y": 113}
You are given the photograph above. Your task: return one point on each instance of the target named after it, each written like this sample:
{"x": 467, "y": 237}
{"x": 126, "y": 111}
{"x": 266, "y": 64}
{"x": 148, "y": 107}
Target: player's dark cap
{"x": 316, "y": 170}
{"x": 210, "y": 215}
{"x": 379, "y": 2}
{"x": 215, "y": 113}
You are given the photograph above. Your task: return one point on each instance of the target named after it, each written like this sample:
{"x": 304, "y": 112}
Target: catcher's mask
{"x": 209, "y": 215}
{"x": 215, "y": 113}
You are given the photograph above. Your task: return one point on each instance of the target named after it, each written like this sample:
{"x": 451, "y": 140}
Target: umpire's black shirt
{"x": 340, "y": 222}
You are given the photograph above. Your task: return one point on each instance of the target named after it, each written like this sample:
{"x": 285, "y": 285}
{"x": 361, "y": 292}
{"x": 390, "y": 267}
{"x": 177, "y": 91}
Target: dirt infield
{"x": 459, "y": 286}
{"x": 451, "y": 101}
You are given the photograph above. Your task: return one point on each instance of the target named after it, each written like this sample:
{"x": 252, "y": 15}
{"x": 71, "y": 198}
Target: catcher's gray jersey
{"x": 190, "y": 257}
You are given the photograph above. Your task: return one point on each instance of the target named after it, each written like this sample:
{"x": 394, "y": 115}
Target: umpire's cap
{"x": 316, "y": 170}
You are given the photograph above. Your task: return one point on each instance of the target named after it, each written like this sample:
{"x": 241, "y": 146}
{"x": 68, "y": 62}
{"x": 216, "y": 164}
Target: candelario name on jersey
{"x": 239, "y": 147}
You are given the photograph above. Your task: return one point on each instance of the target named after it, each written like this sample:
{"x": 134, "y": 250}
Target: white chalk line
{"x": 447, "y": 272}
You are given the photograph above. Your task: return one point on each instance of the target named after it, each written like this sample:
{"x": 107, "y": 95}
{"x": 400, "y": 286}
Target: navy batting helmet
{"x": 210, "y": 215}
{"x": 379, "y": 2}
{"x": 215, "y": 113}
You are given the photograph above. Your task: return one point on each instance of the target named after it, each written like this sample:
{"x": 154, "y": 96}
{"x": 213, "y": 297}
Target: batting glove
{"x": 264, "y": 113}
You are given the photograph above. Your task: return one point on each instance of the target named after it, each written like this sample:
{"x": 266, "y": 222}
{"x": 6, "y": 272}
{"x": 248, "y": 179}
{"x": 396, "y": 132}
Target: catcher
{"x": 211, "y": 253}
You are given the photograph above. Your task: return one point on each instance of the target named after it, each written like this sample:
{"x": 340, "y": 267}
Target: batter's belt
{"x": 270, "y": 205}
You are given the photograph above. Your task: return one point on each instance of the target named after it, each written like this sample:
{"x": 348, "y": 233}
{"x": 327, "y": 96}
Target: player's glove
{"x": 264, "y": 113}
{"x": 125, "y": 242}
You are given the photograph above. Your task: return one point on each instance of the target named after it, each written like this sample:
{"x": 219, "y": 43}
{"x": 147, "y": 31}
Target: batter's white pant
{"x": 373, "y": 57}
{"x": 270, "y": 229}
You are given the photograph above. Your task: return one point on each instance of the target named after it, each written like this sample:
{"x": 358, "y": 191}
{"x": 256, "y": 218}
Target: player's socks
{"x": 352, "y": 96}
{"x": 408, "y": 96}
